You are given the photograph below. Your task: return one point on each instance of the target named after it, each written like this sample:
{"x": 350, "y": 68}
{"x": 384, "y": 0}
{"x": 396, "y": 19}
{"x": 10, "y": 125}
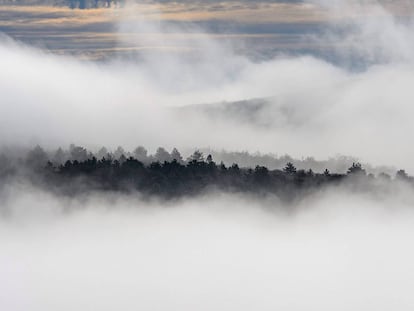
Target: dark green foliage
{"x": 356, "y": 169}
{"x": 289, "y": 169}
{"x": 168, "y": 175}
{"x": 174, "y": 179}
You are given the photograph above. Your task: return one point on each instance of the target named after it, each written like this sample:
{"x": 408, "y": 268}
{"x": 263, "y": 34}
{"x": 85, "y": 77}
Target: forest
{"x": 167, "y": 175}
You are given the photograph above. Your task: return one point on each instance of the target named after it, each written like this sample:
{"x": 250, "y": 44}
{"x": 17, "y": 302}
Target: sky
{"x": 96, "y": 33}
{"x": 259, "y": 29}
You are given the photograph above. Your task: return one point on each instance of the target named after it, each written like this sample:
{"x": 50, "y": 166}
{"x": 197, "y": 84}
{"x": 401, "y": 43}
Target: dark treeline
{"x": 168, "y": 175}
{"x": 337, "y": 164}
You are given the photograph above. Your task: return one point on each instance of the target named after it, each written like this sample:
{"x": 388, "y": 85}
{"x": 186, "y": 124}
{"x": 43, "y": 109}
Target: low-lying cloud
{"x": 335, "y": 251}
{"x": 318, "y": 108}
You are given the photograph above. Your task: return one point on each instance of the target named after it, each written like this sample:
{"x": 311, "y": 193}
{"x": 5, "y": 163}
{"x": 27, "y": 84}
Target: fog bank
{"x": 342, "y": 248}
{"x": 336, "y": 251}
{"x": 316, "y": 107}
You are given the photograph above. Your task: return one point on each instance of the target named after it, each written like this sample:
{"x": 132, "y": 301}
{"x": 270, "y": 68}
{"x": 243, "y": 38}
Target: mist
{"x": 337, "y": 251}
{"x": 58, "y": 100}
{"x": 66, "y": 244}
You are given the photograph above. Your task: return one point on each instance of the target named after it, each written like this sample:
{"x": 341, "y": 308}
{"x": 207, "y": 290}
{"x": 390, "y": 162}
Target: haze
{"x": 327, "y": 108}
{"x": 221, "y": 252}
{"x": 303, "y": 78}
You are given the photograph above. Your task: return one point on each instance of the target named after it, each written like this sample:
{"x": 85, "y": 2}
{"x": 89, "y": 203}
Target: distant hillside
{"x": 259, "y": 111}
{"x": 268, "y": 113}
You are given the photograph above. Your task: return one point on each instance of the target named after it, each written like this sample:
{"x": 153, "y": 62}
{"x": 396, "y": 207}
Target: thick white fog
{"x": 334, "y": 252}
{"x": 328, "y": 109}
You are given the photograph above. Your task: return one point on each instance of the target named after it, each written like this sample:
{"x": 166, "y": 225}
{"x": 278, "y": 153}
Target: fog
{"x": 334, "y": 251}
{"x": 319, "y": 108}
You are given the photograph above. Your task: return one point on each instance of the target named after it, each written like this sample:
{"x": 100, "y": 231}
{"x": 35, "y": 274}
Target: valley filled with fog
{"x": 187, "y": 174}
{"x": 334, "y": 251}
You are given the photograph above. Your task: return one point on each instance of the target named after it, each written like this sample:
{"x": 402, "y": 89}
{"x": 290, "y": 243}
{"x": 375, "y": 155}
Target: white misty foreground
{"x": 335, "y": 251}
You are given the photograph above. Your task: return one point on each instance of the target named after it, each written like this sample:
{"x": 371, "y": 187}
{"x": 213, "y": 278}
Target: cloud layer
{"x": 335, "y": 251}
{"x": 338, "y": 251}
{"x": 318, "y": 108}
